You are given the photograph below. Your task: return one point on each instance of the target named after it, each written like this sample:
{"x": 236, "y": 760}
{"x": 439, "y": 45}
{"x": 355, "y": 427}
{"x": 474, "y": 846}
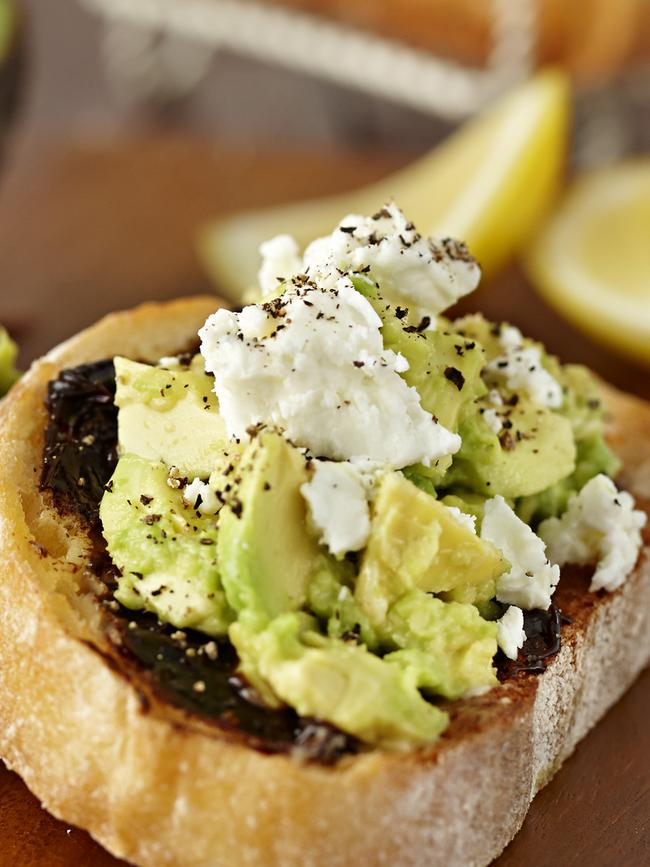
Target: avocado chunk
{"x": 165, "y": 550}
{"x": 340, "y": 682}
{"x": 447, "y": 644}
{"x": 593, "y": 456}
{"x": 535, "y": 450}
{"x": 170, "y": 416}
{"x": 417, "y": 542}
{"x": 266, "y": 554}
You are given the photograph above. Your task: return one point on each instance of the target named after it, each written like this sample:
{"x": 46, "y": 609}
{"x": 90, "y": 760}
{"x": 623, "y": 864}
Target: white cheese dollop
{"x": 531, "y": 581}
{"x": 281, "y": 261}
{"x": 200, "y": 496}
{"x": 520, "y": 368}
{"x": 599, "y": 526}
{"x": 312, "y": 363}
{"x": 426, "y": 274}
{"x": 338, "y": 506}
{"x": 510, "y": 632}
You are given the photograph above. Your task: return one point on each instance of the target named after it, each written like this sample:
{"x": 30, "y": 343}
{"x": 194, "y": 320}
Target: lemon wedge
{"x": 592, "y": 260}
{"x": 488, "y": 185}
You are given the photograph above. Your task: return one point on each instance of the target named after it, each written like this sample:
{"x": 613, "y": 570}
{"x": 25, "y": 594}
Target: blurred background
{"x": 136, "y": 122}
{"x": 140, "y": 138}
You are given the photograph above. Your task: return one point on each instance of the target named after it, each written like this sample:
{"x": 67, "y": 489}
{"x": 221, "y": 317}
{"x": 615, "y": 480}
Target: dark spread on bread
{"x": 81, "y": 443}
{"x": 543, "y": 641}
{"x": 80, "y": 450}
{"x": 202, "y": 677}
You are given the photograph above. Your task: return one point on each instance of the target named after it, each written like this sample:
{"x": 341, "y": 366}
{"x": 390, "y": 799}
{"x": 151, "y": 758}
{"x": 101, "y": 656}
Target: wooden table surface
{"x": 88, "y": 228}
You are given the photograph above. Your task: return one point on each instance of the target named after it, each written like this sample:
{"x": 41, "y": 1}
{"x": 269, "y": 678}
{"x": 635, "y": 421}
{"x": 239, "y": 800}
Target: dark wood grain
{"x": 87, "y": 229}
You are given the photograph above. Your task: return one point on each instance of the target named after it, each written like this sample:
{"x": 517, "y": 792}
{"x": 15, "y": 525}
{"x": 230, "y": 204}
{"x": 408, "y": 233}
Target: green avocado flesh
{"x": 166, "y": 551}
{"x": 364, "y": 641}
{"x": 170, "y": 416}
{"x": 8, "y": 353}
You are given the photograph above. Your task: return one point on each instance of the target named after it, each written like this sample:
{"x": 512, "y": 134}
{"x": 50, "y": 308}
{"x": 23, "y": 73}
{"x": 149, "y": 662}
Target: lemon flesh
{"x": 488, "y": 185}
{"x": 592, "y": 260}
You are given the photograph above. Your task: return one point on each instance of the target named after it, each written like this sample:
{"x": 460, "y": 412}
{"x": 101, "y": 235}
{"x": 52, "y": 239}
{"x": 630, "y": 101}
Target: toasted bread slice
{"x": 157, "y": 787}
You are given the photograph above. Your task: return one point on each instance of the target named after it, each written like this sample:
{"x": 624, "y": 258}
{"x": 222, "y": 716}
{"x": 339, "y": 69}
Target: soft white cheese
{"x": 531, "y": 581}
{"x": 510, "y": 632}
{"x": 200, "y": 496}
{"x": 281, "y": 261}
{"x": 599, "y": 526}
{"x": 520, "y": 368}
{"x": 312, "y": 363}
{"x": 490, "y": 413}
{"x": 424, "y": 273}
{"x": 338, "y": 506}
{"x": 467, "y": 521}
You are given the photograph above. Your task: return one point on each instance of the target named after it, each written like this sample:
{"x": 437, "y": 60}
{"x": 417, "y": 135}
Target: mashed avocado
{"x": 214, "y": 531}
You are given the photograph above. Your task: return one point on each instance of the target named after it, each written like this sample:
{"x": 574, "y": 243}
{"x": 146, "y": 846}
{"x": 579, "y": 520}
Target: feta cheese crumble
{"x": 426, "y": 274}
{"x": 520, "y": 368}
{"x": 490, "y": 413}
{"x": 338, "y": 506}
{"x": 281, "y": 261}
{"x": 200, "y": 496}
{"x": 312, "y": 363}
{"x": 465, "y": 520}
{"x": 532, "y": 579}
{"x": 599, "y": 526}
{"x": 510, "y": 632}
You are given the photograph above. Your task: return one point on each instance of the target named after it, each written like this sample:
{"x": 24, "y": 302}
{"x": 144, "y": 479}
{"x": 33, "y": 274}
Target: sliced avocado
{"x": 534, "y": 451}
{"x": 336, "y": 681}
{"x": 448, "y": 644}
{"x": 170, "y": 416}
{"x": 266, "y": 554}
{"x": 417, "y": 542}
{"x": 165, "y": 550}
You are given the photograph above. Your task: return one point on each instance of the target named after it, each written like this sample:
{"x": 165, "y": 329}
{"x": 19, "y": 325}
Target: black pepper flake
{"x": 237, "y": 507}
{"x": 145, "y": 500}
{"x": 401, "y": 312}
{"x": 349, "y": 230}
{"x": 206, "y": 541}
{"x": 424, "y": 324}
{"x": 358, "y": 363}
{"x": 454, "y": 375}
{"x": 151, "y": 519}
{"x": 506, "y": 440}
{"x": 352, "y": 635}
{"x": 40, "y": 550}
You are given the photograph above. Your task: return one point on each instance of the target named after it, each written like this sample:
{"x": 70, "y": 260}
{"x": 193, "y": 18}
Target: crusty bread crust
{"x": 157, "y": 791}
